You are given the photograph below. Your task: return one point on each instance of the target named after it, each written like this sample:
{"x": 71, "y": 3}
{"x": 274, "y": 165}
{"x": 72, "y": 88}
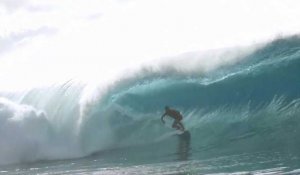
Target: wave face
{"x": 251, "y": 104}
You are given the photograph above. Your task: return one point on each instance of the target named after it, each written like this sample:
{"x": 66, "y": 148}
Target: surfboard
{"x": 185, "y": 135}
{"x": 165, "y": 136}
{"x": 181, "y": 134}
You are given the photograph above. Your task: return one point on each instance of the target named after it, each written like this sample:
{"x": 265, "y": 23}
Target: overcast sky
{"x": 51, "y": 40}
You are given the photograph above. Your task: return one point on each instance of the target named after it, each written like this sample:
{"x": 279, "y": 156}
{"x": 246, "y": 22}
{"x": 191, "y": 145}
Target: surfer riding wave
{"x": 176, "y": 116}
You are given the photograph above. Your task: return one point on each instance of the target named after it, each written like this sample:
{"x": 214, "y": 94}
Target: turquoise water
{"x": 243, "y": 118}
{"x": 165, "y": 162}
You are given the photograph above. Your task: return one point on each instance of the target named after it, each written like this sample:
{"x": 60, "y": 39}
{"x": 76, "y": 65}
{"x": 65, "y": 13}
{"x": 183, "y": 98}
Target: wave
{"x": 250, "y": 99}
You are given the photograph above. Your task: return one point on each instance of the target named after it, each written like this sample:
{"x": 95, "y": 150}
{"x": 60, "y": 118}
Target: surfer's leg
{"x": 178, "y": 125}
{"x": 175, "y": 125}
{"x": 181, "y": 126}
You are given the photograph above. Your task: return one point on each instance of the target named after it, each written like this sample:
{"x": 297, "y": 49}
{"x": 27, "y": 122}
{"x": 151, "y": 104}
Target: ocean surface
{"x": 243, "y": 117}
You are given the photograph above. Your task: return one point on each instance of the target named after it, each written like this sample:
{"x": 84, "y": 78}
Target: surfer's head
{"x": 167, "y": 108}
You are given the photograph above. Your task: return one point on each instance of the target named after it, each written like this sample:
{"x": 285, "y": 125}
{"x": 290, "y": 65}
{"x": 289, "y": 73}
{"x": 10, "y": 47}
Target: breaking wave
{"x": 251, "y": 99}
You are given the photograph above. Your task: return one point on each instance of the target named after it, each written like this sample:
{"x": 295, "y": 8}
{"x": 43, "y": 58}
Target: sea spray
{"x": 24, "y": 132}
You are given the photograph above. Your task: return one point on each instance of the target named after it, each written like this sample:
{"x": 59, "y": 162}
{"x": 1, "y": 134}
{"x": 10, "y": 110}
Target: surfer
{"x": 175, "y": 115}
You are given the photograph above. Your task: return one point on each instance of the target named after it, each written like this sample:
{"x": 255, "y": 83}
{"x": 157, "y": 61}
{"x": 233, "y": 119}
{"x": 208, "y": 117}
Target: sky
{"x": 48, "y": 41}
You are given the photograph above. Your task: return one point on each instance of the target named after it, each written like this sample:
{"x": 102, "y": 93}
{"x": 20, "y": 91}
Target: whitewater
{"x": 241, "y": 107}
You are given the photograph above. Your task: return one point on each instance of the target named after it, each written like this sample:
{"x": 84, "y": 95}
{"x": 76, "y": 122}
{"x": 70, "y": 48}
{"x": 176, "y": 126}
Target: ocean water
{"x": 243, "y": 118}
